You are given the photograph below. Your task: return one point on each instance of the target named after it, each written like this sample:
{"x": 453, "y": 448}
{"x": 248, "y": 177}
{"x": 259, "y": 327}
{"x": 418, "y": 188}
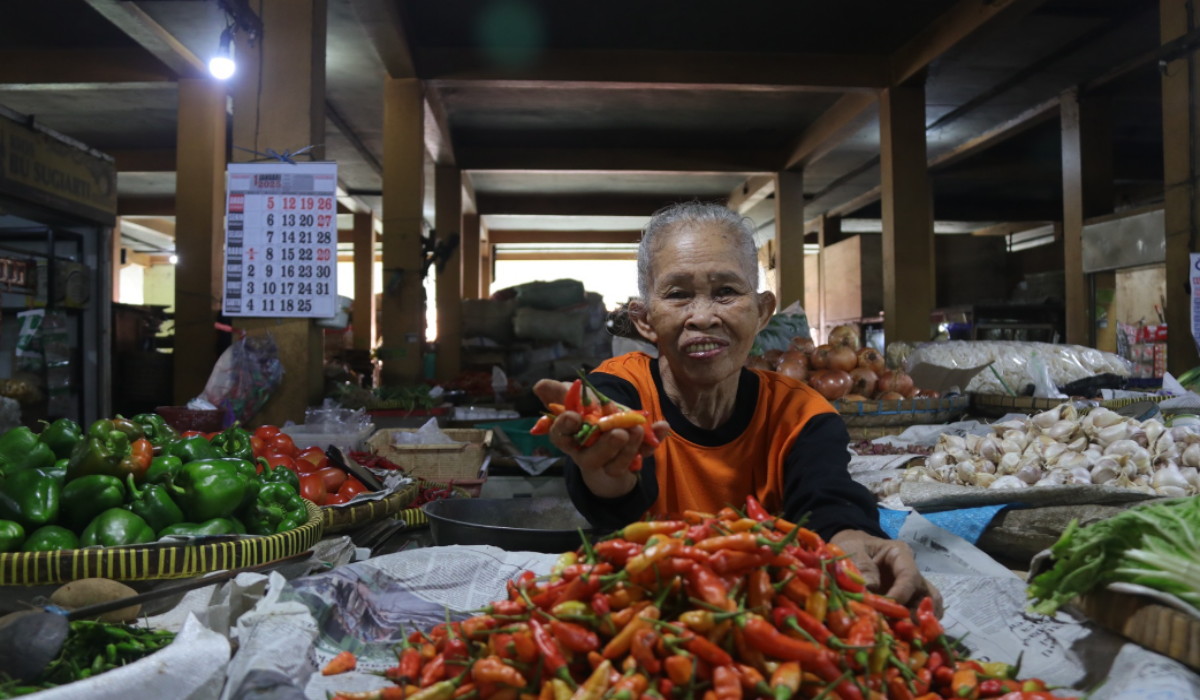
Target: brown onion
{"x": 863, "y": 380}
{"x": 793, "y": 356}
{"x": 897, "y": 381}
{"x": 804, "y": 345}
{"x": 872, "y": 358}
{"x": 843, "y": 358}
{"x": 844, "y": 335}
{"x": 758, "y": 362}
{"x": 853, "y": 398}
{"x": 890, "y": 396}
{"x": 833, "y": 384}
{"x": 820, "y": 357}
{"x": 794, "y": 369}
{"x": 773, "y": 356}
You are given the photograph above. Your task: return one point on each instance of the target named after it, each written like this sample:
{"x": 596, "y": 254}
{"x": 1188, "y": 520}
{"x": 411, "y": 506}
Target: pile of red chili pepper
{"x": 600, "y": 414}
{"x": 728, "y": 606}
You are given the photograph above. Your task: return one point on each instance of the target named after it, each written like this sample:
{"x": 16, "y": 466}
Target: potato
{"x": 89, "y": 591}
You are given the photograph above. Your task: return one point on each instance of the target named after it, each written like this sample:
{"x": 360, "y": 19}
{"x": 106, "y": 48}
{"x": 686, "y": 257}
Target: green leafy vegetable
{"x": 1157, "y": 546}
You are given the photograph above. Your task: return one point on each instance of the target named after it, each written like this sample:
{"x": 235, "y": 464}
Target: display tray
{"x": 146, "y": 562}
{"x": 998, "y": 405}
{"x": 352, "y": 517}
{"x": 1153, "y": 625}
{"x": 920, "y": 411}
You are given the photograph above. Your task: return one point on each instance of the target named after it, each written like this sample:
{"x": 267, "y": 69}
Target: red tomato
{"x": 278, "y": 460}
{"x": 190, "y": 433}
{"x": 303, "y": 466}
{"x": 312, "y": 487}
{"x": 266, "y": 432}
{"x": 332, "y": 476}
{"x": 258, "y": 445}
{"x": 282, "y": 444}
{"x": 351, "y": 488}
{"x": 334, "y": 499}
{"x": 315, "y": 455}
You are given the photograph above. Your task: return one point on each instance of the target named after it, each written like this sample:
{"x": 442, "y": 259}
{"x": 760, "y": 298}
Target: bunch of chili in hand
{"x": 727, "y": 606}
{"x": 600, "y": 414}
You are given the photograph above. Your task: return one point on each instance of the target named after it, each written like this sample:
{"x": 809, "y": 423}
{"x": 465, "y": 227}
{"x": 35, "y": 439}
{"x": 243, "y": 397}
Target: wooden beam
{"x": 470, "y": 200}
{"x": 755, "y": 189}
{"x": 437, "y": 129}
{"x": 949, "y": 30}
{"x": 381, "y": 20}
{"x": 907, "y": 204}
{"x": 849, "y": 207}
{"x": 151, "y": 36}
{"x": 504, "y": 237}
{"x": 849, "y": 114}
{"x": 149, "y": 160}
{"x": 622, "y": 69}
{"x": 624, "y": 159}
{"x": 1009, "y": 228}
{"x": 343, "y": 127}
{"x": 470, "y": 256}
{"x": 577, "y": 205}
{"x": 789, "y": 237}
{"x": 448, "y": 226}
{"x": 364, "y": 282}
{"x": 1087, "y": 192}
{"x": 145, "y": 206}
{"x": 48, "y": 67}
{"x": 1002, "y": 132}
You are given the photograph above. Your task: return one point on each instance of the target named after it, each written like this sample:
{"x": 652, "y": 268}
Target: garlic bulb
{"x": 1030, "y": 474}
{"x": 1106, "y": 470}
{"x": 985, "y": 480}
{"x": 1191, "y": 455}
{"x": 1045, "y": 419}
{"x": 1007, "y": 482}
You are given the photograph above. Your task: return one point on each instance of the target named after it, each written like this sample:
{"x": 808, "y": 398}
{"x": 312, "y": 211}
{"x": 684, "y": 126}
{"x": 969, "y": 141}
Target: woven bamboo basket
{"x": 154, "y": 561}
{"x": 870, "y": 432}
{"x": 905, "y": 412}
{"x": 1148, "y": 623}
{"x": 337, "y": 520}
{"x": 997, "y": 405}
{"x": 462, "y": 460}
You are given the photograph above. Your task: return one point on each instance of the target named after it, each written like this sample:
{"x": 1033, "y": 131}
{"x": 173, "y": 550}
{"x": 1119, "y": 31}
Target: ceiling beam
{"x": 147, "y": 236}
{"x": 849, "y": 207}
{"x": 1009, "y": 228}
{"x": 343, "y": 127}
{"x": 437, "y": 129}
{"x": 1002, "y": 132}
{"x": 623, "y": 159}
{"x": 576, "y": 205}
{"x": 950, "y": 29}
{"x": 79, "y": 66}
{"x": 148, "y": 160}
{"x": 151, "y": 36}
{"x": 470, "y": 201}
{"x": 848, "y": 115}
{"x": 557, "y": 68}
{"x": 381, "y": 20}
{"x": 502, "y": 237}
{"x": 755, "y": 189}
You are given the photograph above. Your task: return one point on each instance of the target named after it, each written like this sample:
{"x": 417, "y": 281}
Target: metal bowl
{"x": 520, "y": 524}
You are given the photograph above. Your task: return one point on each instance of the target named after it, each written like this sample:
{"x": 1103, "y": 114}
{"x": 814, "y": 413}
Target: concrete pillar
{"x": 448, "y": 225}
{"x": 789, "y": 237}
{"x": 364, "y": 281}
{"x": 908, "y": 279}
{"x": 199, "y": 232}
{"x": 403, "y": 317}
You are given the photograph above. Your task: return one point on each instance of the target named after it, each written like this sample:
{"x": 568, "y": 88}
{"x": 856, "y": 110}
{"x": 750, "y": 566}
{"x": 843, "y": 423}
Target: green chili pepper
{"x": 88, "y": 496}
{"x": 61, "y": 436}
{"x": 114, "y": 527}
{"x": 11, "y": 535}
{"x": 156, "y": 429}
{"x": 50, "y": 538}
{"x": 20, "y": 450}
{"x": 211, "y": 527}
{"x": 30, "y": 497}
{"x": 211, "y": 488}
{"x": 278, "y": 508}
{"x": 154, "y": 504}
{"x": 193, "y": 448}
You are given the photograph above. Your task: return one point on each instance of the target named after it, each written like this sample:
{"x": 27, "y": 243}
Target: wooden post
{"x": 789, "y": 237}
{"x": 364, "y": 281}
{"x": 1087, "y": 192}
{"x": 403, "y": 319}
{"x": 448, "y": 225}
{"x": 907, "y": 201}
{"x": 485, "y": 262}
{"x": 829, "y": 231}
{"x": 1181, "y": 148}
{"x": 279, "y": 103}
{"x": 470, "y": 256}
{"x": 199, "y": 238}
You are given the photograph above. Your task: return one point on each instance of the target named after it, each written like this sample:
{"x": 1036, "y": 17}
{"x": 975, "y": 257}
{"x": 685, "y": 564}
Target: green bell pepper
{"x": 210, "y": 488}
{"x": 115, "y": 527}
{"x": 31, "y": 497}
{"x": 132, "y": 430}
{"x": 234, "y": 442}
{"x": 156, "y": 429}
{"x": 212, "y": 526}
{"x": 59, "y": 471}
{"x": 11, "y": 535}
{"x": 20, "y": 449}
{"x": 278, "y": 475}
{"x": 100, "y": 453}
{"x": 163, "y": 469}
{"x": 193, "y": 448}
{"x": 88, "y": 496}
{"x": 278, "y": 508}
{"x": 154, "y": 504}
{"x": 61, "y": 436}
{"x": 50, "y": 538}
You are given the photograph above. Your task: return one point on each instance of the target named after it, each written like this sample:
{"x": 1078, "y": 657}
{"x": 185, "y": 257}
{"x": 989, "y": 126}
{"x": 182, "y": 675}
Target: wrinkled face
{"x": 703, "y": 311}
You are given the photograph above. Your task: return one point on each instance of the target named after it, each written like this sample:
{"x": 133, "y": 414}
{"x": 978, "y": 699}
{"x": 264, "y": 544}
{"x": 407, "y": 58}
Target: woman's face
{"x": 703, "y": 311}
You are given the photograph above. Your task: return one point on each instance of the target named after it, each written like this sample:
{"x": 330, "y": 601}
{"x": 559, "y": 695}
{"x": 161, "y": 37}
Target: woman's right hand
{"x": 605, "y": 464}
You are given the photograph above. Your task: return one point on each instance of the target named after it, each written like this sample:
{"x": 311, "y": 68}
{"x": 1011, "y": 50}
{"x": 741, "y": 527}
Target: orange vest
{"x": 699, "y": 477}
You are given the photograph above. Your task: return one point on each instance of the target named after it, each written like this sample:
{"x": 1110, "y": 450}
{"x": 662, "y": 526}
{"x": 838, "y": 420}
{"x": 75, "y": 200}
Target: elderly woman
{"x": 725, "y": 431}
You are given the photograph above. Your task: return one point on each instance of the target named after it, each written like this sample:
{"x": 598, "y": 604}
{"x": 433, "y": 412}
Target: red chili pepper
{"x": 680, "y": 670}
{"x": 491, "y": 669}
{"x": 343, "y": 662}
{"x": 574, "y": 400}
{"x": 575, "y": 637}
{"x": 801, "y": 620}
{"x": 733, "y": 563}
{"x": 636, "y": 464}
{"x": 542, "y": 426}
{"x": 931, "y": 629}
{"x": 706, "y": 586}
{"x": 433, "y": 671}
{"x": 755, "y": 511}
{"x": 726, "y": 684}
{"x": 759, "y": 590}
{"x": 600, "y": 604}
{"x": 763, "y": 636}
{"x": 552, "y": 657}
{"x": 642, "y": 649}
{"x": 706, "y": 650}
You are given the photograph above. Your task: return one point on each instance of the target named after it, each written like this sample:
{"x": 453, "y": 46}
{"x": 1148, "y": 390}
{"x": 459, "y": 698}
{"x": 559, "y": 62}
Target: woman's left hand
{"x": 888, "y": 566}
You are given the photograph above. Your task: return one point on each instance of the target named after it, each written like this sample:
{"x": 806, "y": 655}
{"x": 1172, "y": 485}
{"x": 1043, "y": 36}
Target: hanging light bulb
{"x": 221, "y": 65}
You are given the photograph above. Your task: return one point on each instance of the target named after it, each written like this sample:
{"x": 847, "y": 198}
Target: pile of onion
{"x": 840, "y": 369}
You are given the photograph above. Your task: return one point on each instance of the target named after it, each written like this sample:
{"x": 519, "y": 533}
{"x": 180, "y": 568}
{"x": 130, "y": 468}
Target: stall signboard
{"x": 51, "y": 170}
{"x": 281, "y": 240}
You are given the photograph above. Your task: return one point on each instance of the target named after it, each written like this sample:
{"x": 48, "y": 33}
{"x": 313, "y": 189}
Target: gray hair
{"x": 676, "y": 216}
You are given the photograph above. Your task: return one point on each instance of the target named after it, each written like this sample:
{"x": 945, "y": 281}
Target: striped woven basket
{"x": 362, "y": 514}
{"x": 157, "y": 561}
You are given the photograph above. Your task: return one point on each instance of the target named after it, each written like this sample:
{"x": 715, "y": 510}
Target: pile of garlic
{"x": 1059, "y": 447}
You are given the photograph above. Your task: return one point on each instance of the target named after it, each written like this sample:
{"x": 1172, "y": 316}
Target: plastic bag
{"x": 790, "y": 323}
{"x": 1039, "y": 374}
{"x": 1010, "y": 359}
{"x": 244, "y": 378}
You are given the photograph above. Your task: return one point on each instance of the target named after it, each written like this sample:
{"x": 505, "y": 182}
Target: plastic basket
{"x": 463, "y": 460}
{"x": 147, "y": 562}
